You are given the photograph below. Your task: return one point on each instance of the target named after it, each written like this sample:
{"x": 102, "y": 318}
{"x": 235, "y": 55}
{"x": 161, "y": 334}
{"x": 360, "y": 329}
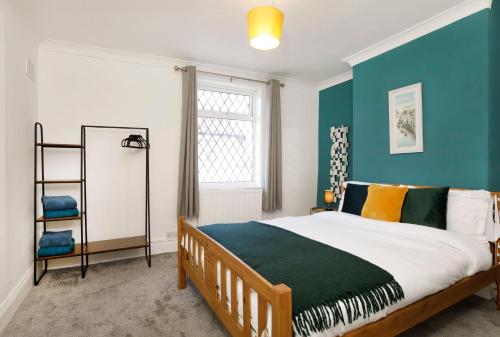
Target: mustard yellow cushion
{"x": 384, "y": 202}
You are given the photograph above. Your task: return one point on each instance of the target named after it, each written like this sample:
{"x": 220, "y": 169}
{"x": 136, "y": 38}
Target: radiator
{"x": 235, "y": 205}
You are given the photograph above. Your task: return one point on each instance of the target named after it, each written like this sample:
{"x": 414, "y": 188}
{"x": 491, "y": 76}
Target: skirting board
{"x": 157, "y": 247}
{"x": 11, "y": 303}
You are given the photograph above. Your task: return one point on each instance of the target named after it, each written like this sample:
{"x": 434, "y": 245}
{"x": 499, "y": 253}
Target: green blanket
{"x": 323, "y": 279}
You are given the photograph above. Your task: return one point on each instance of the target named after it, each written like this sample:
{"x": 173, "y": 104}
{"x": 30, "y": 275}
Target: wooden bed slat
{"x": 262, "y": 314}
{"x": 247, "y": 324}
{"x": 190, "y": 250}
{"x": 212, "y": 274}
{"x": 223, "y": 284}
{"x": 200, "y": 264}
{"x": 234, "y": 297}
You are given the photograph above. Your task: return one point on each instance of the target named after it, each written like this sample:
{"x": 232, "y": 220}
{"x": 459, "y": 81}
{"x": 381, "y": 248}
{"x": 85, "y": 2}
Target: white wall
{"x": 19, "y": 108}
{"x": 86, "y": 85}
{"x": 107, "y": 89}
{"x": 3, "y": 224}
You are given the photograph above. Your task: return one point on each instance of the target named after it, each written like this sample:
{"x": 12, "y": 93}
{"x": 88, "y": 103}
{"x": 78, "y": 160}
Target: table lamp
{"x": 329, "y": 197}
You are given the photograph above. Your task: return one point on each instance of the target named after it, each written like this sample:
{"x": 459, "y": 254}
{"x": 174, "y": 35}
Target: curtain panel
{"x": 188, "y": 189}
{"x": 272, "y": 198}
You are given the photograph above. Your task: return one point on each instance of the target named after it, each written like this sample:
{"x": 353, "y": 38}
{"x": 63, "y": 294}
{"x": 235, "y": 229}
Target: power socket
{"x": 172, "y": 235}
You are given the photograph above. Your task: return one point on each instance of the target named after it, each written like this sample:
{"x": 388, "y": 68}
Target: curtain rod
{"x": 177, "y": 68}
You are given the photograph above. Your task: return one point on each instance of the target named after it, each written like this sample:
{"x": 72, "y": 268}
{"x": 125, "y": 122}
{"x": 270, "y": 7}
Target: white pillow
{"x": 467, "y": 212}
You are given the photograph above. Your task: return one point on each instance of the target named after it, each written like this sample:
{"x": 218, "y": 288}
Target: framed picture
{"x": 405, "y": 120}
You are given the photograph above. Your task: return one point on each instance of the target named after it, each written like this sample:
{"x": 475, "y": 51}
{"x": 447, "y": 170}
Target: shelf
{"x": 43, "y": 219}
{"x": 76, "y": 252}
{"x": 104, "y": 246}
{"x": 63, "y": 146}
{"x": 40, "y": 222}
{"x": 114, "y": 245}
{"x": 60, "y": 181}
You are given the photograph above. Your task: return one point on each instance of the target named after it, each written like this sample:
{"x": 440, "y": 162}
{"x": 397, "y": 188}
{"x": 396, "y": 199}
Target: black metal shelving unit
{"x": 127, "y": 242}
{"x": 40, "y": 146}
{"x": 84, "y": 248}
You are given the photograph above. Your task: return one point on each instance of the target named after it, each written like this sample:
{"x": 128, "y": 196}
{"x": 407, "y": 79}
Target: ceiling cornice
{"x": 85, "y": 50}
{"x": 425, "y": 27}
{"x": 330, "y": 82}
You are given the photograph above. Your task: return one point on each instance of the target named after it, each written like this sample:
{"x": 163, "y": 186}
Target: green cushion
{"x": 426, "y": 206}
{"x": 354, "y": 198}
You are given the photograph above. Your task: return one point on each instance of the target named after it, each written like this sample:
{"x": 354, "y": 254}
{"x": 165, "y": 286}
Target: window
{"x": 227, "y": 137}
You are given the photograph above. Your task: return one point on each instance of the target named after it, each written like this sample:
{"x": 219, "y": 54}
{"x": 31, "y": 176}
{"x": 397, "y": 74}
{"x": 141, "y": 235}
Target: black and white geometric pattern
{"x": 339, "y": 158}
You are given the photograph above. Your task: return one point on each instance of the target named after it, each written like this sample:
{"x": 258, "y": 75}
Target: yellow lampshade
{"x": 264, "y": 27}
{"x": 329, "y": 197}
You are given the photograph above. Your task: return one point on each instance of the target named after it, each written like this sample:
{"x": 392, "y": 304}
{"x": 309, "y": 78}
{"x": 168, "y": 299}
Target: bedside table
{"x": 315, "y": 210}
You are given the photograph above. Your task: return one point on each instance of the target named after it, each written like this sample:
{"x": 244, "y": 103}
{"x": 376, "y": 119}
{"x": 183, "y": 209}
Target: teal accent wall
{"x": 452, "y": 64}
{"x": 494, "y": 122}
{"x": 335, "y": 109}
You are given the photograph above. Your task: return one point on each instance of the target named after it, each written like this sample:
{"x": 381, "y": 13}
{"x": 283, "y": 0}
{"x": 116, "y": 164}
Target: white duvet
{"x": 423, "y": 260}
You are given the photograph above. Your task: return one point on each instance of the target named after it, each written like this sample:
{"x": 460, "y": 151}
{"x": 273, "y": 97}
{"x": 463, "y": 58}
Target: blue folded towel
{"x": 64, "y": 213}
{"x": 53, "y": 251}
{"x": 56, "y": 239}
{"x": 57, "y": 203}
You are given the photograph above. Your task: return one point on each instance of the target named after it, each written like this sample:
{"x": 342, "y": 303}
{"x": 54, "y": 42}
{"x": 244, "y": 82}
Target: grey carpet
{"x": 126, "y": 298}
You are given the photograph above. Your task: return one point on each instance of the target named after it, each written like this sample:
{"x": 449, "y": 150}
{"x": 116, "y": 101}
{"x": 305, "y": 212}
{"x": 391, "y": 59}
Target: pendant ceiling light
{"x": 264, "y": 27}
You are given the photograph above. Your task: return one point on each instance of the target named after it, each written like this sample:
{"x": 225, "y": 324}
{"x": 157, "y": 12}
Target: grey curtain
{"x": 272, "y": 199}
{"x": 188, "y": 190}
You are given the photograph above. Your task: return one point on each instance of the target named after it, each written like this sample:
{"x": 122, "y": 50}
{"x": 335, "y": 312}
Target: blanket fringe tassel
{"x": 360, "y": 303}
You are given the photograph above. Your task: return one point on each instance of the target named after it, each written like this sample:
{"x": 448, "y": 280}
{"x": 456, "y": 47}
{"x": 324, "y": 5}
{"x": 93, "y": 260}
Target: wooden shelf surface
{"x": 71, "y": 181}
{"x": 55, "y": 145}
{"x": 69, "y": 218}
{"x": 114, "y": 245}
{"x": 104, "y": 246}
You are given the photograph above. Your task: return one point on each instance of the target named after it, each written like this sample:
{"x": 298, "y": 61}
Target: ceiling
{"x": 317, "y": 34}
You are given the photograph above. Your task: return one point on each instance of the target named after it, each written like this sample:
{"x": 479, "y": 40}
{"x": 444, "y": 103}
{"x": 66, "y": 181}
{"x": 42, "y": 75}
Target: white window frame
{"x": 255, "y": 116}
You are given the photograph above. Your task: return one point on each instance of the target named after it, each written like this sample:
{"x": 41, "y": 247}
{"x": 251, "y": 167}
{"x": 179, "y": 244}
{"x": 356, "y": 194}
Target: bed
{"x": 435, "y": 268}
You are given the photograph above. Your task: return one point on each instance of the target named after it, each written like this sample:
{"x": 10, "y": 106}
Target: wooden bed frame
{"x": 280, "y": 296}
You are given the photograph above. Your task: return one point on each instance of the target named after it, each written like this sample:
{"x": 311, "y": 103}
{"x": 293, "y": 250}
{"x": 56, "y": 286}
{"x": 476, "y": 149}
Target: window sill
{"x": 219, "y": 188}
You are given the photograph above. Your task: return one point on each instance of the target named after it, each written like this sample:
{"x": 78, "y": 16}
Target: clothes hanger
{"x": 135, "y": 141}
